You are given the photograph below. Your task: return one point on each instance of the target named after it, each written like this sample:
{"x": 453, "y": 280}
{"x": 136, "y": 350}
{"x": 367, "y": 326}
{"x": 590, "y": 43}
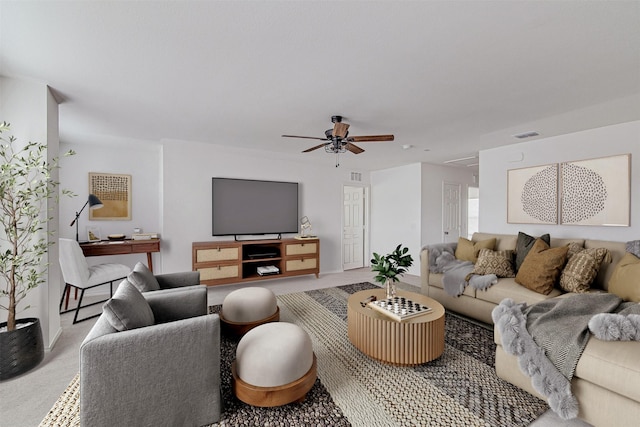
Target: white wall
{"x": 33, "y": 114}
{"x": 396, "y": 211}
{"x": 187, "y": 169}
{"x": 601, "y": 142}
{"x": 141, "y": 160}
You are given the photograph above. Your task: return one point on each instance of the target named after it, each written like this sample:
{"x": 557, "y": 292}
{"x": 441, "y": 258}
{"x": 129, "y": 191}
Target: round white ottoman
{"x": 246, "y": 308}
{"x": 274, "y": 365}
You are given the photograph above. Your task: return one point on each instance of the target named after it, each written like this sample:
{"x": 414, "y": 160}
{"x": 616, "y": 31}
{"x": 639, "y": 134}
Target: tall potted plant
{"x": 390, "y": 267}
{"x": 25, "y": 186}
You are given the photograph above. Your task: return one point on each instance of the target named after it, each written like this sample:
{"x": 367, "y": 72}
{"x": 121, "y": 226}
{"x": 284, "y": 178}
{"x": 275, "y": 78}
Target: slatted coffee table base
{"x": 413, "y": 342}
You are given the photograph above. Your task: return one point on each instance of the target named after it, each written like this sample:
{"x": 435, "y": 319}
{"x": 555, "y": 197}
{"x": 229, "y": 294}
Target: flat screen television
{"x": 253, "y": 207}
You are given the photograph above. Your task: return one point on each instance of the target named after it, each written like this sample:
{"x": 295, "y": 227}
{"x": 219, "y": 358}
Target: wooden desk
{"x": 122, "y": 247}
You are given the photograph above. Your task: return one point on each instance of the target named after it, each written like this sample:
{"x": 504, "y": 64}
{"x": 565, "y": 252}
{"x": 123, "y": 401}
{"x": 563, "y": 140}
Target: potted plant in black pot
{"x": 390, "y": 267}
{"x": 25, "y": 186}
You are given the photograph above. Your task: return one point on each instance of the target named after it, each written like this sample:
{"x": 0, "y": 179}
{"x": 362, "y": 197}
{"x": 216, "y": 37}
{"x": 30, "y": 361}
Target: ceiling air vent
{"x": 526, "y": 135}
{"x": 356, "y": 176}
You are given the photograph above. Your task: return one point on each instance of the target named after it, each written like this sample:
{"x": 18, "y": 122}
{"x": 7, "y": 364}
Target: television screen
{"x": 244, "y": 206}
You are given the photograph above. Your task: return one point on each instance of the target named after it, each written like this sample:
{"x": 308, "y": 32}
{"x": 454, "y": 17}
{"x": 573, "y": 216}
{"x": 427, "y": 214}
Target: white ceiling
{"x": 450, "y": 77}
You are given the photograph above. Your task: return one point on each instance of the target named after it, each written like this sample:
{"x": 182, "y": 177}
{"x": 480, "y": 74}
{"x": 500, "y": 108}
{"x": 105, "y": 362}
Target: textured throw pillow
{"x": 499, "y": 263}
{"x": 143, "y": 279}
{"x": 542, "y": 266}
{"x": 582, "y": 268}
{"x": 625, "y": 279}
{"x": 468, "y": 250}
{"x": 574, "y": 248}
{"x": 128, "y": 309}
{"x": 633, "y": 247}
{"x": 524, "y": 245}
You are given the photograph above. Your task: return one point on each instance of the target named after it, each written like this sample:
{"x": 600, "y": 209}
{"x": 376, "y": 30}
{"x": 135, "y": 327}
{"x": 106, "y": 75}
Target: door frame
{"x": 366, "y": 220}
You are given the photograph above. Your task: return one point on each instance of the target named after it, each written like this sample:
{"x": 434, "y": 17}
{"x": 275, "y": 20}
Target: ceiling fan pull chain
{"x": 337, "y": 159}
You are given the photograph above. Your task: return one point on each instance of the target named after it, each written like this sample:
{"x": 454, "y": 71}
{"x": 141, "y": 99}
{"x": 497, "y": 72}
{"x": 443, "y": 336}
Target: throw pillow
{"x": 143, "y": 279}
{"x": 582, "y": 268}
{"x": 468, "y": 250}
{"x": 625, "y": 279}
{"x": 634, "y": 247}
{"x": 499, "y": 263}
{"x": 574, "y": 248}
{"x": 128, "y": 309}
{"x": 542, "y": 266}
{"x": 524, "y": 245}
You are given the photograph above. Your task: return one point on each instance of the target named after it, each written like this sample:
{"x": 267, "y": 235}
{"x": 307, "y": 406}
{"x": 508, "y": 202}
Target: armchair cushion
{"x": 128, "y": 309}
{"x": 143, "y": 279}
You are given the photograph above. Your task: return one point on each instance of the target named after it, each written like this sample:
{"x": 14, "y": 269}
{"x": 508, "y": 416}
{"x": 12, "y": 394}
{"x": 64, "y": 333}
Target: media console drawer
{"x": 302, "y": 249}
{"x": 217, "y": 254}
{"x": 225, "y": 262}
{"x": 219, "y": 272}
{"x": 302, "y": 264}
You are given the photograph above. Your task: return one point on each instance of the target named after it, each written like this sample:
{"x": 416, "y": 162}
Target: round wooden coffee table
{"x": 410, "y": 342}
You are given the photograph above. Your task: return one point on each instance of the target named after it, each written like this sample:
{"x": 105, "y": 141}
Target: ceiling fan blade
{"x": 340, "y": 129}
{"x": 305, "y": 137}
{"x": 354, "y": 148}
{"x": 371, "y": 138}
{"x": 314, "y": 148}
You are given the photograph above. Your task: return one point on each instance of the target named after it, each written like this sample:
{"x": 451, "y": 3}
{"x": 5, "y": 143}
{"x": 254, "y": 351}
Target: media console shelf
{"x": 224, "y": 262}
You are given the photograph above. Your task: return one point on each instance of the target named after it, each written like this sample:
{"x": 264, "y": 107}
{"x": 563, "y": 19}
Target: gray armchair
{"x": 152, "y": 359}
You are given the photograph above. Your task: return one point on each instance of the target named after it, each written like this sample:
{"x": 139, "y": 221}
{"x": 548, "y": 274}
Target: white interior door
{"x": 451, "y": 212}
{"x": 353, "y": 228}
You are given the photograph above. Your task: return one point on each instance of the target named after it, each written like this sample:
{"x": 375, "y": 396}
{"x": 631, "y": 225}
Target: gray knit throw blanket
{"x": 549, "y": 337}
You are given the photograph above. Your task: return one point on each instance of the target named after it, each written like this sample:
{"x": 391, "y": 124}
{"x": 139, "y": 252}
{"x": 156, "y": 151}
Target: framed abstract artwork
{"x": 532, "y": 195}
{"x": 114, "y": 191}
{"x": 596, "y": 191}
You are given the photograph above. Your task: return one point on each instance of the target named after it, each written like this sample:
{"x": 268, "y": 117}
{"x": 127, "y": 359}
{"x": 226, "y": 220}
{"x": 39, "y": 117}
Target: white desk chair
{"x": 77, "y": 274}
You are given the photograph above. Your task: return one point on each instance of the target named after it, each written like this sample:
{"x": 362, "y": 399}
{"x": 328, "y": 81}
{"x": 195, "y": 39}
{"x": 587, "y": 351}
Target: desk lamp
{"x": 94, "y": 203}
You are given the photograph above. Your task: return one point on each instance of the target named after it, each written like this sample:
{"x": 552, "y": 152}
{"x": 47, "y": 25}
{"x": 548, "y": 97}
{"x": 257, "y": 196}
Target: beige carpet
{"x": 460, "y": 388}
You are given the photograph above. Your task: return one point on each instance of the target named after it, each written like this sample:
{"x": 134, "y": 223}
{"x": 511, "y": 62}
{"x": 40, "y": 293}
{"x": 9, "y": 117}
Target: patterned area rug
{"x": 460, "y": 388}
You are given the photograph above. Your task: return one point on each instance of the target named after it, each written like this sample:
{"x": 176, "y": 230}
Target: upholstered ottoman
{"x": 274, "y": 365}
{"x": 244, "y": 309}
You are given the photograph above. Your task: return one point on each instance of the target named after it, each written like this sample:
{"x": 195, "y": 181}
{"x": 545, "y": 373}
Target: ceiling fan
{"x": 337, "y": 140}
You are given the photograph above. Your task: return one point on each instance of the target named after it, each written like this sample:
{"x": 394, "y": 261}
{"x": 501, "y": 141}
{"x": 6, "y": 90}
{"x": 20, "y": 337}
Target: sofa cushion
{"x": 508, "y": 288}
{"x": 524, "y": 245}
{"x": 616, "y": 249}
{"x": 468, "y": 250}
{"x": 542, "y": 266}
{"x": 143, "y": 279}
{"x": 128, "y": 309}
{"x": 612, "y": 365}
{"x": 625, "y": 280}
{"x": 499, "y": 263}
{"x": 435, "y": 280}
{"x": 503, "y": 241}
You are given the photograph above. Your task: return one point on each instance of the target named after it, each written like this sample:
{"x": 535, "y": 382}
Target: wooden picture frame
{"x": 114, "y": 191}
{"x": 532, "y": 195}
{"x": 94, "y": 234}
{"x": 596, "y": 191}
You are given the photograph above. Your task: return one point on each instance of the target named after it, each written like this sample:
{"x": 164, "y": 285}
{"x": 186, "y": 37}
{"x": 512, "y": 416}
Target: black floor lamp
{"x": 94, "y": 203}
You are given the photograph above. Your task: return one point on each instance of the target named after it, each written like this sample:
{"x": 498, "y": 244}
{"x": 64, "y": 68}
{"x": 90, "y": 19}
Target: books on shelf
{"x": 144, "y": 236}
{"x": 399, "y": 308}
{"x": 267, "y": 270}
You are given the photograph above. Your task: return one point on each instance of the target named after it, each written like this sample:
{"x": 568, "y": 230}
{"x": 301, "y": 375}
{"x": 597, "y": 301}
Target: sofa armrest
{"x": 179, "y": 303}
{"x": 178, "y": 280}
{"x": 165, "y": 374}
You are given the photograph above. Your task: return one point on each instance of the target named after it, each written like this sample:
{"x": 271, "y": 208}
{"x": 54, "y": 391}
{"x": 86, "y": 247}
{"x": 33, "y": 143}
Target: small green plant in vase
{"x": 390, "y": 267}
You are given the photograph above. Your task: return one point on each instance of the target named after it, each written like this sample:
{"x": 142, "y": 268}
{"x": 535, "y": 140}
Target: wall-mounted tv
{"x": 252, "y": 207}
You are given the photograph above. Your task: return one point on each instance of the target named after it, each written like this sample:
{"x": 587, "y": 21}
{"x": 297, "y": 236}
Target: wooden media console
{"x": 224, "y": 262}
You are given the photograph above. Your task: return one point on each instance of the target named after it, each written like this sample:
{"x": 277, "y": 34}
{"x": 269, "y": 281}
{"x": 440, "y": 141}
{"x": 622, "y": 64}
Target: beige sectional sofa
{"x": 607, "y": 377}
